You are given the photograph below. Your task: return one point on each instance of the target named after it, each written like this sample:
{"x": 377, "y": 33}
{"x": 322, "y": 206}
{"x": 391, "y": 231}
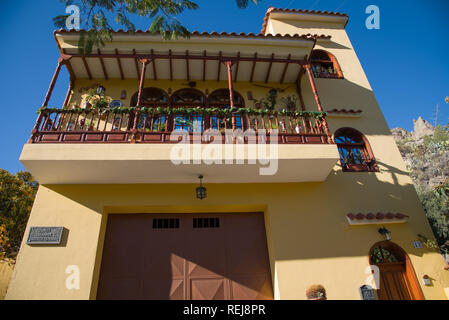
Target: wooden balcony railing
{"x": 155, "y": 125}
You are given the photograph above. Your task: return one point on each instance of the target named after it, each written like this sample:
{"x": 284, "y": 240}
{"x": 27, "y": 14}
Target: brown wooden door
{"x": 393, "y": 282}
{"x": 185, "y": 256}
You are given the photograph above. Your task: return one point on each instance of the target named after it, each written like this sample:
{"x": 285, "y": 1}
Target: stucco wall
{"x": 308, "y": 237}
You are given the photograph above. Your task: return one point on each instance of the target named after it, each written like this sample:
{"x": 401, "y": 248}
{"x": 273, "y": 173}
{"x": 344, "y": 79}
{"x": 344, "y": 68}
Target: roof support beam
{"x": 285, "y": 69}
{"x": 269, "y": 68}
{"x": 105, "y": 73}
{"x": 119, "y": 65}
{"x": 231, "y": 89}
{"x": 195, "y": 57}
{"x": 142, "y": 80}
{"x": 308, "y": 68}
{"x": 52, "y": 83}
{"x": 86, "y": 66}
{"x": 254, "y": 67}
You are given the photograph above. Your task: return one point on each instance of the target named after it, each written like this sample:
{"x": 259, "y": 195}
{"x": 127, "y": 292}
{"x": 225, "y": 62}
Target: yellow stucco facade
{"x": 308, "y": 236}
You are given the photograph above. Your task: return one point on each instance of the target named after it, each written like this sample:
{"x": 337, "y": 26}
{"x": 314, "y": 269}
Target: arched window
{"x": 325, "y": 65}
{"x": 188, "y": 97}
{"x": 355, "y": 152}
{"x": 151, "y": 97}
{"x": 220, "y": 98}
{"x": 396, "y": 277}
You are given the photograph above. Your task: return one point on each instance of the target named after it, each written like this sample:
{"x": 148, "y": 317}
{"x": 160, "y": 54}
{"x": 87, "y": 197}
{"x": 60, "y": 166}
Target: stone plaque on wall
{"x": 45, "y": 235}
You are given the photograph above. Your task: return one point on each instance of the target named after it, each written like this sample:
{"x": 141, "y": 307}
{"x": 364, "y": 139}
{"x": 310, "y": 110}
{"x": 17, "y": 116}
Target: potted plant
{"x": 316, "y": 292}
{"x": 97, "y": 99}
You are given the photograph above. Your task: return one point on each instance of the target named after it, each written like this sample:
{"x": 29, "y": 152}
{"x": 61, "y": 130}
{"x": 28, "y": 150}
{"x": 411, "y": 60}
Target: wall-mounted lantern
{"x": 385, "y": 232}
{"x": 426, "y": 280}
{"x": 201, "y": 191}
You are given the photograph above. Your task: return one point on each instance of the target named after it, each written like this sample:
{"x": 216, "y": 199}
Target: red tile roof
{"x": 353, "y": 111}
{"x": 272, "y": 9}
{"x": 221, "y": 34}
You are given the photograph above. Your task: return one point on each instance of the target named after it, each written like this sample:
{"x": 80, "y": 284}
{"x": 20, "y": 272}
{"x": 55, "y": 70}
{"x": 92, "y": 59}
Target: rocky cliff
{"x": 425, "y": 151}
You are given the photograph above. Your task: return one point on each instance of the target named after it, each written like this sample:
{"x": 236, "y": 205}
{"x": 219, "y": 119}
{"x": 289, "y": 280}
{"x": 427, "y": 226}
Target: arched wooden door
{"x": 397, "y": 277}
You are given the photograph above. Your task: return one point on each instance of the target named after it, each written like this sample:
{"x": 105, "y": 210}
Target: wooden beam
{"x": 105, "y": 73}
{"x": 153, "y": 62}
{"x": 269, "y": 68}
{"x": 119, "y": 65}
{"x": 171, "y": 66}
{"x": 68, "y": 65}
{"x": 187, "y": 65}
{"x": 136, "y": 63}
{"x": 204, "y": 65}
{"x": 254, "y": 68}
{"x": 285, "y": 69}
{"x": 196, "y": 57}
{"x": 86, "y": 67}
{"x": 237, "y": 67}
{"x": 219, "y": 67}
{"x": 52, "y": 83}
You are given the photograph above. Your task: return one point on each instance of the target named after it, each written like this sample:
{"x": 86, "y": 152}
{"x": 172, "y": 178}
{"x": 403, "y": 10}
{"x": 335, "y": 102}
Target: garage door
{"x": 185, "y": 256}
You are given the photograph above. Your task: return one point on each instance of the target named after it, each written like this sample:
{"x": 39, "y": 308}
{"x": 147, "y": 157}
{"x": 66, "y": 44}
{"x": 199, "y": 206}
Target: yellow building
{"x": 309, "y": 194}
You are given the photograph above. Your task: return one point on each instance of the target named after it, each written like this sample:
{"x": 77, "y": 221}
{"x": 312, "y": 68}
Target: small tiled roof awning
{"x": 376, "y": 218}
{"x": 353, "y": 113}
{"x": 272, "y": 10}
{"x": 256, "y": 57}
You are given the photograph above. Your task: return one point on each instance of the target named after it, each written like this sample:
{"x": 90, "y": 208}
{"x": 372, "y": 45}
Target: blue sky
{"x": 406, "y": 61}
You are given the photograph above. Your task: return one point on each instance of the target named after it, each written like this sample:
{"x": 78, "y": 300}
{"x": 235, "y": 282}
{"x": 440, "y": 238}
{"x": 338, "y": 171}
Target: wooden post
{"x": 312, "y": 83}
{"x": 69, "y": 93}
{"x": 142, "y": 80}
{"x": 317, "y": 100}
{"x": 139, "y": 99}
{"x": 53, "y": 82}
{"x": 231, "y": 89}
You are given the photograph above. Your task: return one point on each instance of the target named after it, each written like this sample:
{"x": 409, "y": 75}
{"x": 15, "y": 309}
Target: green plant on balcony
{"x": 98, "y": 102}
{"x": 289, "y": 102}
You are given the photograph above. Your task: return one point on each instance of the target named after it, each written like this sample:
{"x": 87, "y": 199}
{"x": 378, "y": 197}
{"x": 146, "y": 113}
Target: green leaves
{"x": 95, "y": 13}
{"x": 17, "y": 194}
{"x": 242, "y": 4}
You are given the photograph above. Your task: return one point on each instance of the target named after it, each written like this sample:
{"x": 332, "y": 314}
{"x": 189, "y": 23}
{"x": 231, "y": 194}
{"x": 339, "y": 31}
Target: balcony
{"x": 131, "y": 145}
{"x": 157, "y": 125}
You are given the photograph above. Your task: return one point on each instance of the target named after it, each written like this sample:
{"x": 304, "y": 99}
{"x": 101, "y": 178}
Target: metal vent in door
{"x": 199, "y": 223}
{"x": 166, "y": 223}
